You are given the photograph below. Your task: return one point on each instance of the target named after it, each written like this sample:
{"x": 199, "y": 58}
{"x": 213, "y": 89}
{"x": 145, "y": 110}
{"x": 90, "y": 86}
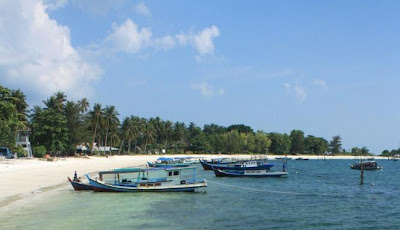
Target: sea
{"x": 318, "y": 194}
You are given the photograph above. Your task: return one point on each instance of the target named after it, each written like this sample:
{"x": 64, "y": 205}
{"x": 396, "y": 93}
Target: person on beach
{"x": 76, "y": 177}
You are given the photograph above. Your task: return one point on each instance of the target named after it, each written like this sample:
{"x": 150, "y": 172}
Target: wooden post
{"x": 362, "y": 173}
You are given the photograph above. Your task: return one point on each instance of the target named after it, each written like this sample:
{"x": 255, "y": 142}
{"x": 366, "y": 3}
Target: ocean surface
{"x": 317, "y": 194}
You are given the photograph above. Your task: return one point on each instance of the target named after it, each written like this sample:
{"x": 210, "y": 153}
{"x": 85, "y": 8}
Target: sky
{"x": 325, "y": 67}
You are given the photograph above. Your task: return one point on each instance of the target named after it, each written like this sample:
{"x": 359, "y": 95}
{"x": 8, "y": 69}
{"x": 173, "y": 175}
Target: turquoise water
{"x": 321, "y": 195}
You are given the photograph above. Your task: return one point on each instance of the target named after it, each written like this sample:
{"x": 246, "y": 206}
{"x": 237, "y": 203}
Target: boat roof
{"x": 165, "y": 159}
{"x": 135, "y": 170}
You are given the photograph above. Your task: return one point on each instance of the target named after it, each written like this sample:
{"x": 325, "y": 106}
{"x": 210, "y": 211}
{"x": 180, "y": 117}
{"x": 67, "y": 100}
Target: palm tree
{"x": 168, "y": 133}
{"x": 83, "y": 104}
{"x": 111, "y": 120}
{"x": 125, "y": 132}
{"x": 51, "y": 103}
{"x": 149, "y": 132}
{"x": 137, "y": 128}
{"x": 61, "y": 98}
{"x": 19, "y": 99}
{"x": 179, "y": 133}
{"x": 95, "y": 118}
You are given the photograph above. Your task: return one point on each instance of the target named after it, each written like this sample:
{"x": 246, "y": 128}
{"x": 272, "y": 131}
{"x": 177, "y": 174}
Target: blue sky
{"x": 325, "y": 67}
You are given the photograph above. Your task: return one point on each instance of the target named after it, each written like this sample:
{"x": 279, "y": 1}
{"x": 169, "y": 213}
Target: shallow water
{"x": 321, "y": 195}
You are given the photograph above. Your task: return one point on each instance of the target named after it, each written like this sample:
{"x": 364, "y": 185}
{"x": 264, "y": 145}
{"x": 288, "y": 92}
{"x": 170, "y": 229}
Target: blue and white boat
{"x": 147, "y": 180}
{"x": 163, "y": 162}
{"x": 237, "y": 164}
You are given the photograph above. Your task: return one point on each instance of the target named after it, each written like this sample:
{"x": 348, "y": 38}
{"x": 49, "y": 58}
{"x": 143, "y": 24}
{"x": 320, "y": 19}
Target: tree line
{"x": 60, "y": 125}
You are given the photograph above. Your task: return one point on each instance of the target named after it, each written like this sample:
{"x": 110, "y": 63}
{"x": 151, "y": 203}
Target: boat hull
{"x": 221, "y": 173}
{"x": 79, "y": 186}
{"x": 99, "y": 186}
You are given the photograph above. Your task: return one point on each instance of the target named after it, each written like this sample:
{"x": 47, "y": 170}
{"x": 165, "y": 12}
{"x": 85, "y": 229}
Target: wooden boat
{"x": 163, "y": 162}
{"x": 244, "y": 165}
{"x": 301, "y": 159}
{"x": 249, "y": 173}
{"x": 366, "y": 165}
{"x": 142, "y": 181}
{"x": 78, "y": 185}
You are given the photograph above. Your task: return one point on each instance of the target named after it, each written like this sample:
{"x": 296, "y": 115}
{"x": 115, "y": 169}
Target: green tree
{"x": 297, "y": 140}
{"x": 19, "y": 100}
{"x": 111, "y": 120}
{"x": 335, "y": 145}
{"x": 315, "y": 145}
{"x": 9, "y": 119}
{"x": 95, "y": 119}
{"x": 280, "y": 143}
{"x": 50, "y": 129}
{"x": 240, "y": 128}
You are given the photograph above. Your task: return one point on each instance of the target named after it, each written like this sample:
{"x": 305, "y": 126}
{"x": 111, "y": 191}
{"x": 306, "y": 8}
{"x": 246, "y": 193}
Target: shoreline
{"x": 22, "y": 178}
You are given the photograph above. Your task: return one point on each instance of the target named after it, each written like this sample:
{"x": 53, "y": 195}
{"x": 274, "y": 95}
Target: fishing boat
{"x": 244, "y": 165}
{"x": 167, "y": 162}
{"x": 249, "y": 173}
{"x": 147, "y": 180}
{"x": 366, "y": 165}
{"x": 78, "y": 185}
{"x": 301, "y": 159}
{"x": 207, "y": 165}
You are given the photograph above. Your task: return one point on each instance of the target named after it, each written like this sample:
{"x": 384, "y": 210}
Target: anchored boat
{"x": 78, "y": 185}
{"x": 366, "y": 165}
{"x": 249, "y": 173}
{"x": 147, "y": 180}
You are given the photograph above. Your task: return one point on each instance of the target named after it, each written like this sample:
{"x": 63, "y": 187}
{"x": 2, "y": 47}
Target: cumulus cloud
{"x": 202, "y": 41}
{"x": 142, "y": 9}
{"x": 129, "y": 37}
{"x": 36, "y": 52}
{"x": 207, "y": 90}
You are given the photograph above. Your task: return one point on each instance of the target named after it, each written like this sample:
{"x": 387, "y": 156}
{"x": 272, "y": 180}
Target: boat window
{"x": 176, "y": 173}
{"x": 169, "y": 173}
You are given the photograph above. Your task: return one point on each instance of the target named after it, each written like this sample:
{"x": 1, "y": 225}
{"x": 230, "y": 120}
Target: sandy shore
{"x": 24, "y": 177}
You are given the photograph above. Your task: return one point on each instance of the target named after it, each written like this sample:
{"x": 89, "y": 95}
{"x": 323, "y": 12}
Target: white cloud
{"x": 55, "y": 4}
{"x": 164, "y": 43}
{"x": 301, "y": 93}
{"x": 129, "y": 37}
{"x": 319, "y": 82}
{"x": 36, "y": 52}
{"x": 142, "y": 9}
{"x": 287, "y": 85}
{"x": 202, "y": 41}
{"x": 207, "y": 90}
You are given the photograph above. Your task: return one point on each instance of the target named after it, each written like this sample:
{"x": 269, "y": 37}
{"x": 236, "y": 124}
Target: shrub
{"x": 39, "y": 151}
{"x": 21, "y": 152}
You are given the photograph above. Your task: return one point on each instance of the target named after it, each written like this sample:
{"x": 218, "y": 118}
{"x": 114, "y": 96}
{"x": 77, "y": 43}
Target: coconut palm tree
{"x": 136, "y": 129}
{"x": 168, "y": 130}
{"x": 19, "y": 99}
{"x": 51, "y": 103}
{"x": 111, "y": 120}
{"x": 149, "y": 133}
{"x": 95, "y": 117}
{"x": 61, "y": 98}
{"x": 84, "y": 104}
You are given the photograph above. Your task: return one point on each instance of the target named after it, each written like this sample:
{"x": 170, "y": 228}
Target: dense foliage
{"x": 60, "y": 125}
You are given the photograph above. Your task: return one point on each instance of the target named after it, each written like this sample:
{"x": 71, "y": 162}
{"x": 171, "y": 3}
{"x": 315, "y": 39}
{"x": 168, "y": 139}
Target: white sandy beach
{"x": 25, "y": 177}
